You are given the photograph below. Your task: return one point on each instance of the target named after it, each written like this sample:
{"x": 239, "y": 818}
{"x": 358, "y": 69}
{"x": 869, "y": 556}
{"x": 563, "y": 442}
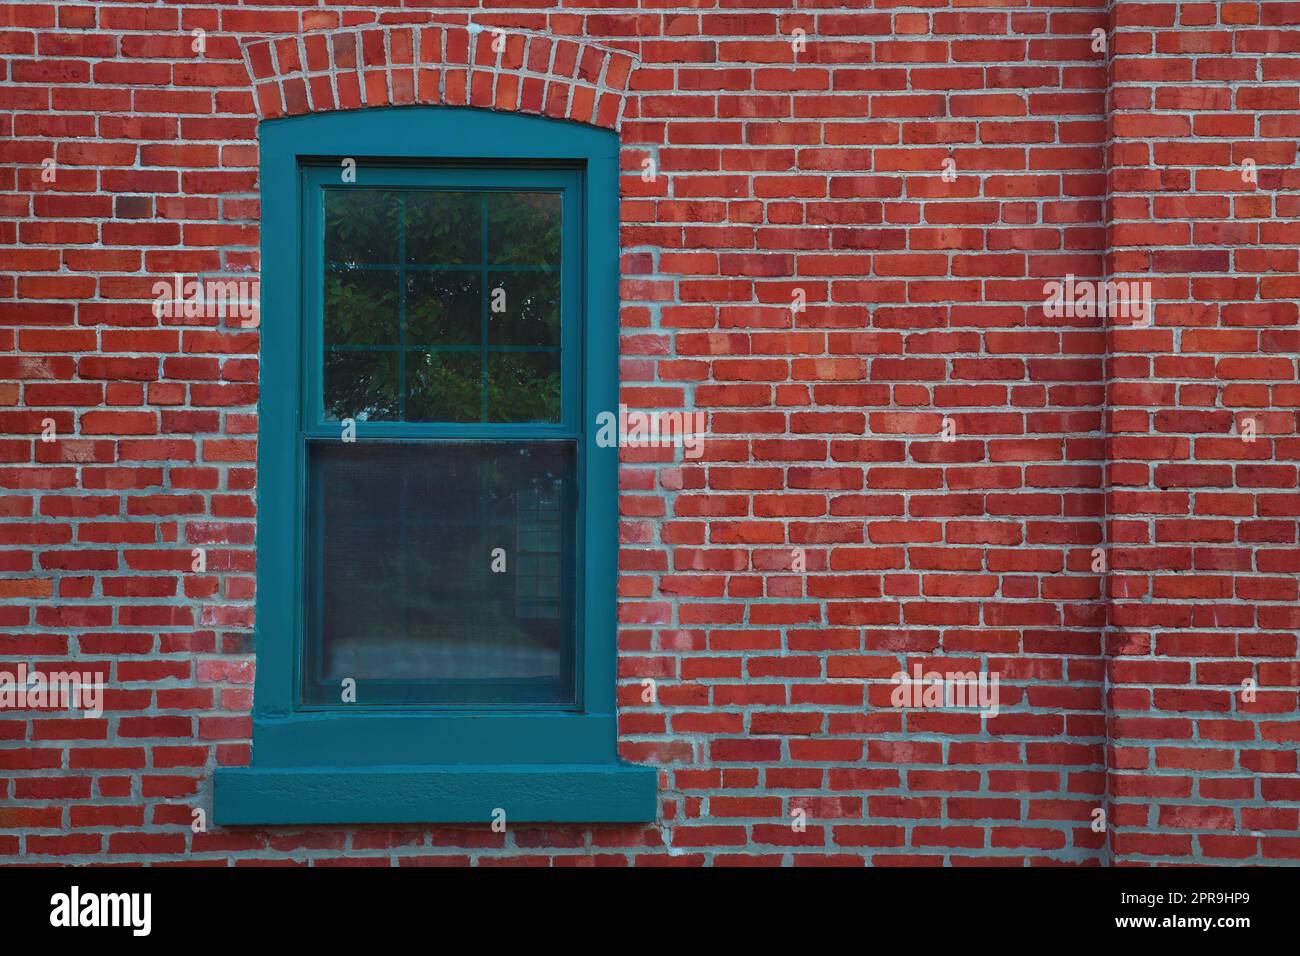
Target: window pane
{"x": 525, "y": 308}
{"x": 524, "y": 386}
{"x": 361, "y": 385}
{"x": 361, "y": 307}
{"x": 444, "y": 386}
{"x": 524, "y": 229}
{"x": 441, "y": 572}
{"x": 361, "y": 226}
{"x": 444, "y": 228}
{"x": 414, "y": 277}
{"x": 444, "y": 308}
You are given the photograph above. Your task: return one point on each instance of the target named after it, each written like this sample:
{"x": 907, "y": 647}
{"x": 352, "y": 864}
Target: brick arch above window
{"x": 439, "y": 64}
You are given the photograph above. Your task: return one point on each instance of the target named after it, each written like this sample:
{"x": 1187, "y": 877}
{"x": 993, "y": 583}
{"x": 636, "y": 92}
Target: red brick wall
{"x": 821, "y": 173}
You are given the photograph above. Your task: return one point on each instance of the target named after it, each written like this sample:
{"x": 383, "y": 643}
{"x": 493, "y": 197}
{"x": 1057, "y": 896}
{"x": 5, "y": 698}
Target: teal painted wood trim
{"x": 601, "y": 793}
{"x": 296, "y": 744}
{"x": 420, "y": 737}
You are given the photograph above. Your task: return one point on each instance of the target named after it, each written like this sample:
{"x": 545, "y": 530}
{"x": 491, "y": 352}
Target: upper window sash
{"x": 566, "y": 182}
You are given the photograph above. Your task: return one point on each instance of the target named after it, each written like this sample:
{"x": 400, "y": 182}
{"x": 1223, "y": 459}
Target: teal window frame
{"x": 422, "y": 763}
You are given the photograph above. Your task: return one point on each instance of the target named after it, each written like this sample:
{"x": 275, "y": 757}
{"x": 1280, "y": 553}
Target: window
{"x": 445, "y": 319}
{"x": 436, "y": 526}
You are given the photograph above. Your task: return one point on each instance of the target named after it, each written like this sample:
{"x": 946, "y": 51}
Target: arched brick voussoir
{"x": 432, "y": 64}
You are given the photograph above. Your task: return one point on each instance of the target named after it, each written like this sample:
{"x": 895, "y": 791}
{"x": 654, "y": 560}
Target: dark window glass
{"x": 524, "y": 387}
{"x": 361, "y": 226}
{"x": 444, "y": 228}
{"x": 524, "y": 229}
{"x": 441, "y": 572}
{"x": 444, "y": 386}
{"x": 525, "y": 309}
{"x": 365, "y": 382}
{"x": 444, "y": 309}
{"x": 442, "y": 306}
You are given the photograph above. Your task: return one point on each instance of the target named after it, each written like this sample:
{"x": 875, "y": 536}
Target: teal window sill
{"x": 572, "y": 793}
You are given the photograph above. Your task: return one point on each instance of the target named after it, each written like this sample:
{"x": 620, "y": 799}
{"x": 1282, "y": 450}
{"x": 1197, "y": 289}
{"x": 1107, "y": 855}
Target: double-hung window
{"x": 436, "y": 520}
{"x": 442, "y": 435}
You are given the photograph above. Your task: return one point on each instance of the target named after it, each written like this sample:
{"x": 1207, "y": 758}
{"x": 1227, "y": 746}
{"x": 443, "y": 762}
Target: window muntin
{"x": 443, "y": 545}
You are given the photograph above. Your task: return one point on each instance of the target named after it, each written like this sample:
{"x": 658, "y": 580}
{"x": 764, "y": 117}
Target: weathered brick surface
{"x": 779, "y": 172}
